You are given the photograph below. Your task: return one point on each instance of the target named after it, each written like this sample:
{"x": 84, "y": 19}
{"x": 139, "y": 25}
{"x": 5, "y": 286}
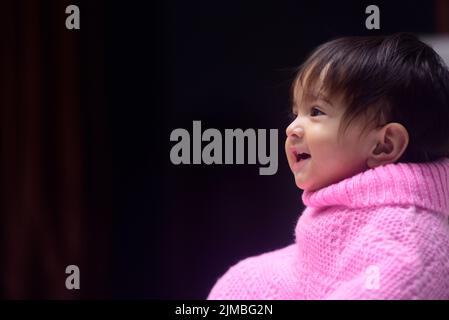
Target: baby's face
{"x": 314, "y": 131}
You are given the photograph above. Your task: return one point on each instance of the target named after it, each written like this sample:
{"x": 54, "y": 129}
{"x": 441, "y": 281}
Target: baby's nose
{"x": 294, "y": 130}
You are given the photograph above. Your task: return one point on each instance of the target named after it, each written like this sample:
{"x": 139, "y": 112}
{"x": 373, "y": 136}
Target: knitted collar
{"x": 421, "y": 184}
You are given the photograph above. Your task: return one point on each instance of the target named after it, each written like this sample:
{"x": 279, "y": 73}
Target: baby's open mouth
{"x": 301, "y": 156}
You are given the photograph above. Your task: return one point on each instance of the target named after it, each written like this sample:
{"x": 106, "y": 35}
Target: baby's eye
{"x": 315, "y": 109}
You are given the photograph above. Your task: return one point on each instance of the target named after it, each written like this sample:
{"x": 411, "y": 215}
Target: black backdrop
{"x": 228, "y": 64}
{"x": 142, "y": 227}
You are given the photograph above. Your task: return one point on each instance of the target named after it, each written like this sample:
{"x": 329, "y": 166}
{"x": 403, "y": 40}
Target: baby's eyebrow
{"x": 312, "y": 97}
{"x": 326, "y": 100}
{"x": 322, "y": 97}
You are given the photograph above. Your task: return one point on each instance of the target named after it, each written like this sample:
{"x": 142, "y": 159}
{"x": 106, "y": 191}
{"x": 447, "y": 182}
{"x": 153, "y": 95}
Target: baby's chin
{"x": 308, "y": 189}
{"x": 311, "y": 186}
{"x": 303, "y": 185}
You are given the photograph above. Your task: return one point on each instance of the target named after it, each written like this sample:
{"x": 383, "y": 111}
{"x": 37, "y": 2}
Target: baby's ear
{"x": 390, "y": 143}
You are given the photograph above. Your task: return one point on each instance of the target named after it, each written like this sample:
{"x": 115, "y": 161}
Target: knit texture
{"x": 380, "y": 234}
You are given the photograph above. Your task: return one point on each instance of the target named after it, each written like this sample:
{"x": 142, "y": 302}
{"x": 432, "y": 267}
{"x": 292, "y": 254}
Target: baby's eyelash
{"x": 315, "y": 108}
{"x": 294, "y": 113}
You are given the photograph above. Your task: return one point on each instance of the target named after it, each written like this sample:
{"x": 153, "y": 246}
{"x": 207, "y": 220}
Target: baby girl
{"x": 369, "y": 147}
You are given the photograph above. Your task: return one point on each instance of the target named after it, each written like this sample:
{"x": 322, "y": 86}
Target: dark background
{"x": 86, "y": 120}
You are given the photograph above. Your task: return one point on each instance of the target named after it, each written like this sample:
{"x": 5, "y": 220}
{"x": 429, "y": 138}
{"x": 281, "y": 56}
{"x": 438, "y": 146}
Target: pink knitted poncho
{"x": 381, "y": 234}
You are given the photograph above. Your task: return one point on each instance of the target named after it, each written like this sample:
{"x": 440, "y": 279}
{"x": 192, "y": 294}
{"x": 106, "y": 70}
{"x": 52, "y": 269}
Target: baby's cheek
{"x": 327, "y": 146}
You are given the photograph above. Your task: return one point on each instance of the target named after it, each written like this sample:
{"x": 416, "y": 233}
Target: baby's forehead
{"x": 309, "y": 93}
{"x": 313, "y": 83}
